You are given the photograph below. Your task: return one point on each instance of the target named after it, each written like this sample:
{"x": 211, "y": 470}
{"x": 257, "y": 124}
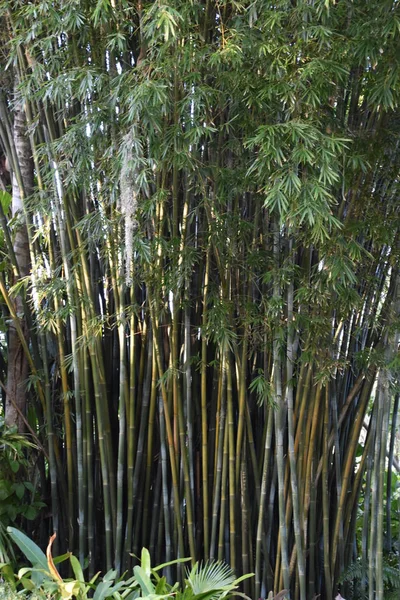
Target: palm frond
{"x": 212, "y": 576}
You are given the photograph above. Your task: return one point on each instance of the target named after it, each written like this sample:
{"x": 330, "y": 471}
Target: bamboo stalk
{"x": 374, "y": 572}
{"x": 204, "y": 444}
{"x": 381, "y": 474}
{"x": 225, "y": 468}
{"x": 170, "y": 437}
{"x": 147, "y": 390}
{"x": 231, "y": 464}
{"x": 88, "y": 446}
{"x": 165, "y": 481}
{"x": 216, "y": 505}
{"x": 325, "y": 500}
{"x": 122, "y": 427}
{"x": 279, "y": 432}
{"x": 348, "y": 464}
{"x": 150, "y": 445}
{"x": 395, "y": 411}
{"x": 291, "y": 436}
{"x": 263, "y": 498}
{"x": 131, "y": 431}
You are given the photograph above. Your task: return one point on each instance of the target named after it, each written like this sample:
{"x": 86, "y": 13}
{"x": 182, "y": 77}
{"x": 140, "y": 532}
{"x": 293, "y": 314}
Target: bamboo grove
{"x": 199, "y": 279}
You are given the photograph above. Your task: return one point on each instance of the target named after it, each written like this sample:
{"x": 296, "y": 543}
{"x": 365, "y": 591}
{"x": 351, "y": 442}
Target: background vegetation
{"x": 199, "y": 281}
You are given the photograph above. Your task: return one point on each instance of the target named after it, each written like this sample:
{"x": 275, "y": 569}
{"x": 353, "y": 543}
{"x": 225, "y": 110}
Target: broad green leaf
{"x": 110, "y": 575}
{"x": 27, "y": 584}
{"x": 5, "y": 199}
{"x": 59, "y": 559}
{"x": 14, "y": 464}
{"x": 105, "y": 589}
{"x": 24, "y": 571}
{"x": 11, "y": 512}
{"x": 102, "y": 590}
{"x": 32, "y": 552}
{"x": 30, "y": 513}
{"x": 243, "y": 577}
{"x": 144, "y": 581}
{"x": 145, "y": 562}
{"x": 94, "y": 578}
{"x": 171, "y": 562}
{"x": 76, "y": 567}
{"x": 19, "y": 490}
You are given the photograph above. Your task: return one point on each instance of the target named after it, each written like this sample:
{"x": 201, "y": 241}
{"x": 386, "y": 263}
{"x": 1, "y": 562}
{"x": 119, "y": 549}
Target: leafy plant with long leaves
{"x": 18, "y": 498}
{"x": 204, "y": 582}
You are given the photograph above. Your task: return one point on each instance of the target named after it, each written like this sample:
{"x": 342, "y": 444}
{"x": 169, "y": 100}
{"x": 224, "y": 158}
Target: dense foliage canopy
{"x": 200, "y": 285}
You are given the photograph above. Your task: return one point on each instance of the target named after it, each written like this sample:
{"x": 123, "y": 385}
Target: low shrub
{"x": 42, "y": 581}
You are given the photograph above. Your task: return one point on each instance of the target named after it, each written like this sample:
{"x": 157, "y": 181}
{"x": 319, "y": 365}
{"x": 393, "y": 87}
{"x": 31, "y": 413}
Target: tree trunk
{"x": 22, "y": 187}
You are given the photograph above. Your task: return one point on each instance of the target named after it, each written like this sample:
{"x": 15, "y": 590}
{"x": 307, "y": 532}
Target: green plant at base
{"x": 358, "y": 571}
{"x": 8, "y": 593}
{"x": 211, "y": 581}
{"x": 18, "y": 497}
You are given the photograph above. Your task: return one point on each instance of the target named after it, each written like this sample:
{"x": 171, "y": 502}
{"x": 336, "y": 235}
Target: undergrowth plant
{"x": 356, "y": 575}
{"x": 210, "y": 581}
{"x": 18, "y": 497}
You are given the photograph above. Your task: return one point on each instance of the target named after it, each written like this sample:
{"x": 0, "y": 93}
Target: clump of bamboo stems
{"x": 201, "y": 384}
